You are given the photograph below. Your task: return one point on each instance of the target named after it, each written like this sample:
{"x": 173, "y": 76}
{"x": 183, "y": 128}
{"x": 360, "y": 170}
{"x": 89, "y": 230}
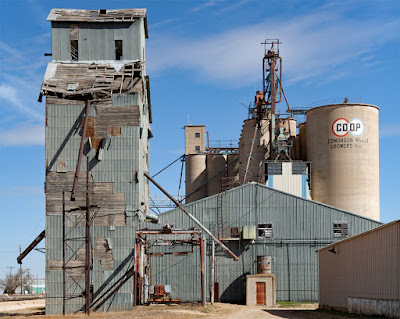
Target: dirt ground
{"x": 35, "y": 308}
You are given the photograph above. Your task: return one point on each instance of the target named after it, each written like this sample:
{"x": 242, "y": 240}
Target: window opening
{"x": 118, "y": 50}
{"x": 74, "y": 50}
{"x": 73, "y": 38}
{"x": 265, "y": 231}
{"x": 197, "y": 148}
{"x": 197, "y": 135}
{"x": 235, "y": 232}
{"x": 340, "y": 230}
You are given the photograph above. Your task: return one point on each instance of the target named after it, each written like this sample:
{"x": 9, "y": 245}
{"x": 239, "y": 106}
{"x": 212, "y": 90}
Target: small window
{"x": 235, "y": 232}
{"x": 118, "y": 50}
{"x": 340, "y": 230}
{"x": 74, "y": 50}
{"x": 197, "y": 135}
{"x": 265, "y": 231}
{"x": 273, "y": 168}
{"x": 197, "y": 148}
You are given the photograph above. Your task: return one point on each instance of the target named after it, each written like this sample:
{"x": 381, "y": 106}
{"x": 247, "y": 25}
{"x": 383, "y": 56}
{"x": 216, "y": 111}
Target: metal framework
{"x": 143, "y": 242}
{"x": 72, "y": 220}
{"x": 206, "y": 230}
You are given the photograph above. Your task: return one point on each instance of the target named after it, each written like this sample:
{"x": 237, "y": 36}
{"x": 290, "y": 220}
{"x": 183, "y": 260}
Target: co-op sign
{"x": 341, "y": 127}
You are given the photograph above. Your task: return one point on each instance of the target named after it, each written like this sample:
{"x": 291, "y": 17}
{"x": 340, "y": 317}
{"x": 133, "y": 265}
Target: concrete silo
{"x": 343, "y": 146}
{"x": 216, "y": 173}
{"x": 196, "y": 176}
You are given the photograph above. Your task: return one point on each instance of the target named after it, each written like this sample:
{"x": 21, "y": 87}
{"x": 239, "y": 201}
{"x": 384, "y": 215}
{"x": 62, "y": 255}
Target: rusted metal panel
{"x": 260, "y": 293}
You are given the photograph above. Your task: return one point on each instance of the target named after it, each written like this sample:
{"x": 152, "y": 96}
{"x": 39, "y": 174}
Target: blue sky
{"x": 203, "y": 58}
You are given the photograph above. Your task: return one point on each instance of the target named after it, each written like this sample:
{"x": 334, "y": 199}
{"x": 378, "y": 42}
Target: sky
{"x": 204, "y": 59}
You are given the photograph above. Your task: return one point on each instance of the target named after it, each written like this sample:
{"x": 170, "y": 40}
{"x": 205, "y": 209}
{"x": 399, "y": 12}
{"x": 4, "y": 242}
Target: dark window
{"x": 299, "y": 168}
{"x": 103, "y": 11}
{"x": 274, "y": 168}
{"x": 118, "y": 50}
{"x": 197, "y": 148}
{"x": 265, "y": 231}
{"x": 235, "y": 232}
{"x": 197, "y": 135}
{"x": 74, "y": 50}
{"x": 340, "y": 230}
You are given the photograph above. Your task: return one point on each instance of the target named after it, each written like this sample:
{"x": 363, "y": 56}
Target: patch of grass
{"x": 207, "y": 309}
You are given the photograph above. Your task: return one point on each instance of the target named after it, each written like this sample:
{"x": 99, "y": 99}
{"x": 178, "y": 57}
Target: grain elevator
{"x": 98, "y": 116}
{"x": 332, "y": 157}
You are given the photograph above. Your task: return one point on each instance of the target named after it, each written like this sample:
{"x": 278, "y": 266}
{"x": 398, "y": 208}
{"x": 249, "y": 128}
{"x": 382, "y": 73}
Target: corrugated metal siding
{"x": 300, "y": 228}
{"x": 96, "y": 40}
{"x": 366, "y": 266}
{"x": 125, "y": 156}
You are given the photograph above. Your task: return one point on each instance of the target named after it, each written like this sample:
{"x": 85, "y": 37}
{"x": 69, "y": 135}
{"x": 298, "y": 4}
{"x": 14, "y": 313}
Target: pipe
{"x": 212, "y": 272}
{"x": 236, "y": 258}
{"x": 78, "y": 164}
{"x": 152, "y": 218}
{"x": 87, "y": 240}
{"x": 203, "y": 278}
{"x": 63, "y": 254}
{"x": 30, "y": 247}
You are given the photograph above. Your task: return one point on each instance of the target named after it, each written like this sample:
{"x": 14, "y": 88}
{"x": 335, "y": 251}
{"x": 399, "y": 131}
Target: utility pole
{"x": 28, "y": 279}
{"x": 10, "y": 267}
{"x": 20, "y": 269}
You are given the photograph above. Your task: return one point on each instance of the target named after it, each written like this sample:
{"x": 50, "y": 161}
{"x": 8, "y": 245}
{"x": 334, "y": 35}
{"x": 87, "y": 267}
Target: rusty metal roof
{"x": 101, "y": 15}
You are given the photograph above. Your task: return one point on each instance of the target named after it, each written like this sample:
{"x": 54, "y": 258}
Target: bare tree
{"x": 11, "y": 281}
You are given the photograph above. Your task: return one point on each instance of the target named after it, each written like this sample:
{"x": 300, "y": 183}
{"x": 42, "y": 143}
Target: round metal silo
{"x": 297, "y": 147}
{"x": 233, "y": 171}
{"x": 195, "y": 176}
{"x": 216, "y": 173}
{"x": 256, "y": 154}
{"x": 343, "y": 146}
{"x": 303, "y": 141}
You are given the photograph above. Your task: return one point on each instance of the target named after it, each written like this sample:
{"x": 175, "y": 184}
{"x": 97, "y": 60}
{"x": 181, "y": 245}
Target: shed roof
{"x": 111, "y": 15}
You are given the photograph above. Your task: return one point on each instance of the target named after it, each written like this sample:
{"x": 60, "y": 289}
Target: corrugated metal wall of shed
{"x": 300, "y": 227}
{"x": 169, "y": 269}
{"x": 366, "y": 266}
{"x": 97, "y": 40}
{"x": 118, "y": 165}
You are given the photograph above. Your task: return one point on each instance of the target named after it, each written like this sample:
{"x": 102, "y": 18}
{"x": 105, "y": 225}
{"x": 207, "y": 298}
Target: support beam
{"x": 36, "y": 241}
{"x": 78, "y": 164}
{"x": 64, "y": 246}
{"x": 203, "y": 279}
{"x": 87, "y": 242}
{"x": 236, "y": 258}
{"x": 212, "y": 271}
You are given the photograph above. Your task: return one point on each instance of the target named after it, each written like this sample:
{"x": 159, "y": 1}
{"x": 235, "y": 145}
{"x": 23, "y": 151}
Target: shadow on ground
{"x": 311, "y": 314}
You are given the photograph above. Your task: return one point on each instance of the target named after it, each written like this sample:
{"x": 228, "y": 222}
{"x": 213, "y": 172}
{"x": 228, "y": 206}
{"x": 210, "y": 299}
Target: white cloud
{"x": 389, "y": 130}
{"x": 23, "y": 134}
{"x": 321, "y": 43}
{"x": 11, "y": 95}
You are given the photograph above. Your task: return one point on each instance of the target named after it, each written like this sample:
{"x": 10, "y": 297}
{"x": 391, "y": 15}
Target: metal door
{"x": 260, "y": 289}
